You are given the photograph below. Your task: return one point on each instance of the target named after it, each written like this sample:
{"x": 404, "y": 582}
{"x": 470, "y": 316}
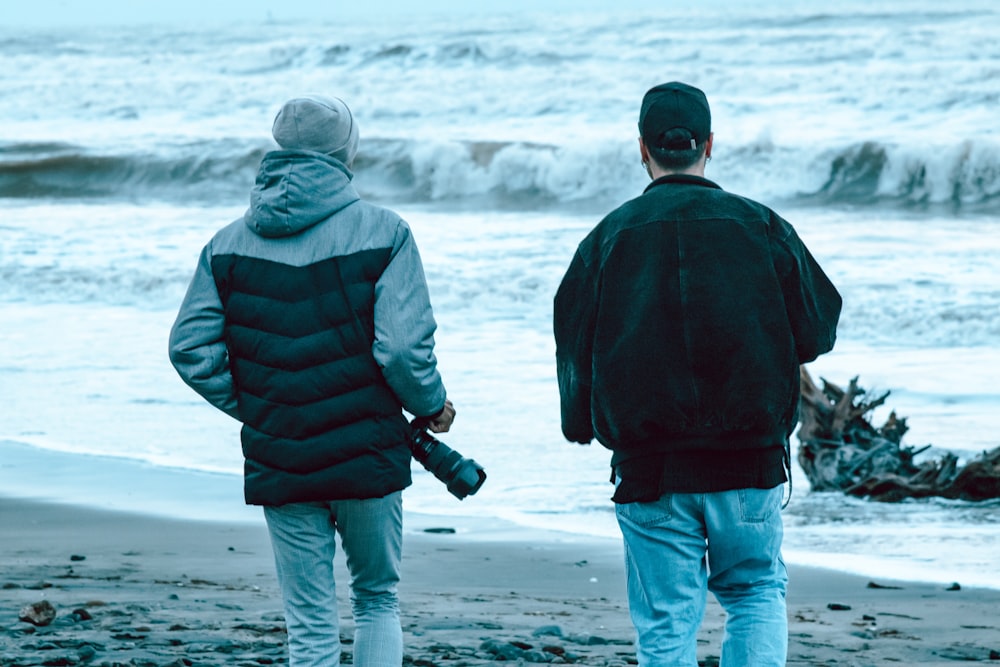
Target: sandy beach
{"x": 130, "y": 589}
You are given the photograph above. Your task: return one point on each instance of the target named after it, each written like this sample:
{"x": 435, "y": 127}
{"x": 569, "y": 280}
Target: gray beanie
{"x": 317, "y": 123}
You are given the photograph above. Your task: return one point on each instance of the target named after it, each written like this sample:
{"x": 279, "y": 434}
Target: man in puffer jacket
{"x": 309, "y": 321}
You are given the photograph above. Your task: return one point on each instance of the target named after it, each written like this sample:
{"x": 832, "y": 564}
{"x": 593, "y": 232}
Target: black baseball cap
{"x": 670, "y": 106}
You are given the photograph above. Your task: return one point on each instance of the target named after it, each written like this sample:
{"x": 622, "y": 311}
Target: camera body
{"x": 462, "y": 476}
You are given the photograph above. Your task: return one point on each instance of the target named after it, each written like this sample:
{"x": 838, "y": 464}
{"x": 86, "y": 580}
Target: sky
{"x": 37, "y": 13}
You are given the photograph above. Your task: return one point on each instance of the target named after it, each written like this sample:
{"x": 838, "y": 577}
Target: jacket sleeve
{"x": 573, "y": 325}
{"x": 197, "y": 343}
{"x": 404, "y": 330}
{"x": 811, "y": 301}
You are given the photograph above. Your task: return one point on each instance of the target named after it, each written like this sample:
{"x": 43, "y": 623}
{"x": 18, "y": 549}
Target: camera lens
{"x": 462, "y": 476}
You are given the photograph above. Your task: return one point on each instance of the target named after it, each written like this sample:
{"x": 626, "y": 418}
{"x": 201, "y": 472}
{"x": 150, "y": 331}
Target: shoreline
{"x": 129, "y": 586}
{"x": 32, "y": 472}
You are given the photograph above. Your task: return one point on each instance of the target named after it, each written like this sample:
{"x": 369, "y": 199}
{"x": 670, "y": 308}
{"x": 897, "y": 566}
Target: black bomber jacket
{"x": 682, "y": 321}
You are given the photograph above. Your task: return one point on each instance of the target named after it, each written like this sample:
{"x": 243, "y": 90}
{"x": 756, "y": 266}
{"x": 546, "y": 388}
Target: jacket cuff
{"x": 434, "y": 416}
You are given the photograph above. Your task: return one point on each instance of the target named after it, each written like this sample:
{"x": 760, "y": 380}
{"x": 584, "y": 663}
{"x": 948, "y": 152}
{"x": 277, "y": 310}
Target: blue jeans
{"x": 685, "y": 544}
{"x": 371, "y": 532}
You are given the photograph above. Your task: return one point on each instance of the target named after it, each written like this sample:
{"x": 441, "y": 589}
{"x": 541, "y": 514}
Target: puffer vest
{"x": 320, "y": 422}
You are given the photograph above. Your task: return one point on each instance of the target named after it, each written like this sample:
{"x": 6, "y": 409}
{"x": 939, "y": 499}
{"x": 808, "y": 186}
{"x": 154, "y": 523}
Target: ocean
{"x": 502, "y": 139}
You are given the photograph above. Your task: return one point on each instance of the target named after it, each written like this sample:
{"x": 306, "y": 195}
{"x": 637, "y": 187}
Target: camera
{"x": 462, "y": 476}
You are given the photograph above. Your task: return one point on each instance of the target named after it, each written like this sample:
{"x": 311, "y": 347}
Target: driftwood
{"x": 840, "y": 450}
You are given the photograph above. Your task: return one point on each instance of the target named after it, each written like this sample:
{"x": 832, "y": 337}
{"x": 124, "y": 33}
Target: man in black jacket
{"x": 680, "y": 326}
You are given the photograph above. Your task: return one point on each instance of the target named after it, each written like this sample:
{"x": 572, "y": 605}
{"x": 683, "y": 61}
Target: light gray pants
{"x": 303, "y": 539}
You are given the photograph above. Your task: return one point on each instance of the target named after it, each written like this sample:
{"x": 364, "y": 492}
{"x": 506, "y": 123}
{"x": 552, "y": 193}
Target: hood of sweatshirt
{"x": 295, "y": 190}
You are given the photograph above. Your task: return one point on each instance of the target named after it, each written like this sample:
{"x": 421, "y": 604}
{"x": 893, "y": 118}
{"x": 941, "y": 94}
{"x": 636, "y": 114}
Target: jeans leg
{"x": 665, "y": 576}
{"x": 302, "y": 536}
{"x": 371, "y": 532}
{"x": 748, "y": 576}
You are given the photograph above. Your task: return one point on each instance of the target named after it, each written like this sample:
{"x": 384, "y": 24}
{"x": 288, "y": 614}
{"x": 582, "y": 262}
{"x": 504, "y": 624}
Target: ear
{"x": 643, "y": 151}
{"x": 708, "y": 145}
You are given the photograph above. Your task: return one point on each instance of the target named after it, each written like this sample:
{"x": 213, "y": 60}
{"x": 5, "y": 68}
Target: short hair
{"x": 673, "y": 152}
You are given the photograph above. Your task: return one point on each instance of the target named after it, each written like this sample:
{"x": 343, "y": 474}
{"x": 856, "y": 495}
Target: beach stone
{"x": 548, "y": 631}
{"x": 440, "y": 647}
{"x": 262, "y": 629}
{"x": 456, "y": 624}
{"x": 501, "y": 650}
{"x": 38, "y": 614}
{"x": 231, "y": 647}
{"x": 82, "y": 614}
{"x": 509, "y": 652}
{"x": 587, "y": 639}
{"x": 537, "y": 656}
{"x": 966, "y": 653}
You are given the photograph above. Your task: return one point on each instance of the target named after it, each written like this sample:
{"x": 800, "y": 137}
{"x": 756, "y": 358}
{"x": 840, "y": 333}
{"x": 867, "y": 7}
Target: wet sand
{"x": 132, "y": 589}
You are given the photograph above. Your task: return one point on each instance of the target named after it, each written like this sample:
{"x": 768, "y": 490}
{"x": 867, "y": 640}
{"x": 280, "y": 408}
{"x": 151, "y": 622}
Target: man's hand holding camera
{"x": 462, "y": 476}
{"x": 441, "y": 423}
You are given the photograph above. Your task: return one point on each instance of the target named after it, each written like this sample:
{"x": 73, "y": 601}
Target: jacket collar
{"x": 684, "y": 179}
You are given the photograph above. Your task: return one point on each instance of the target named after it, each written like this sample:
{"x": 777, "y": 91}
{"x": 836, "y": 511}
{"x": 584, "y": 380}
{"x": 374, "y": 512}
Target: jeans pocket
{"x": 647, "y": 514}
{"x": 758, "y": 505}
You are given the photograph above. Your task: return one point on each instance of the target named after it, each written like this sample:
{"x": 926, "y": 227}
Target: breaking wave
{"x": 517, "y": 175}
